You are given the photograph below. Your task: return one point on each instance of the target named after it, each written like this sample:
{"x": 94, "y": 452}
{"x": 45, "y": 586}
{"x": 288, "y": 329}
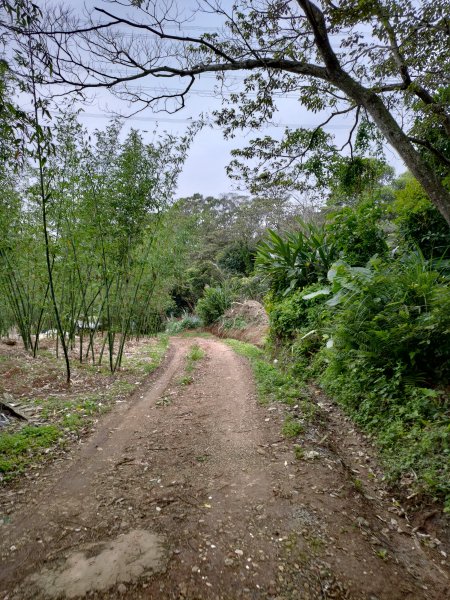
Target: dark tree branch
{"x": 351, "y": 132}
{"x": 400, "y": 61}
{"x": 165, "y": 36}
{"x": 426, "y": 144}
{"x": 317, "y": 22}
{"x": 289, "y": 66}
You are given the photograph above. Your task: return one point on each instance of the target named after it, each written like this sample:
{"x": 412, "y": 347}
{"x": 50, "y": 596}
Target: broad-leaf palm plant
{"x": 296, "y": 259}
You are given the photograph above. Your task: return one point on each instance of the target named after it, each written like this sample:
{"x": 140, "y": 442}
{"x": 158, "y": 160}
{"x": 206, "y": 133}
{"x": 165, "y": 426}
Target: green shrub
{"x": 357, "y": 234}
{"x": 249, "y": 288}
{"x": 214, "y": 303}
{"x": 391, "y": 348}
{"x": 393, "y": 314}
{"x": 195, "y": 279}
{"x": 419, "y": 222}
{"x": 294, "y": 314}
{"x": 237, "y": 258}
{"x": 174, "y": 326}
{"x": 296, "y": 259}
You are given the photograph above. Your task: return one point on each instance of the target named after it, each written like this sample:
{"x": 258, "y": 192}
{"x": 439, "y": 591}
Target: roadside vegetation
{"x": 272, "y": 384}
{"x": 363, "y": 309}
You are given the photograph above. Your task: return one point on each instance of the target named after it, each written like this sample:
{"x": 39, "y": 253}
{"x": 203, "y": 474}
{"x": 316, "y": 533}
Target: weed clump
{"x": 272, "y": 383}
{"x": 17, "y": 448}
{"x": 292, "y": 428}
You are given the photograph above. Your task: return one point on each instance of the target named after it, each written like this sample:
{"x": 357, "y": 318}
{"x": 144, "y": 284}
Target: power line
{"x": 133, "y": 118}
{"x": 182, "y": 29}
{"x": 204, "y": 93}
{"x": 190, "y": 120}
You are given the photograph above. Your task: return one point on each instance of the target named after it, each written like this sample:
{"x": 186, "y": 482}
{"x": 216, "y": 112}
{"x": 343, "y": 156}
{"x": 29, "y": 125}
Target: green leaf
{"x": 322, "y": 292}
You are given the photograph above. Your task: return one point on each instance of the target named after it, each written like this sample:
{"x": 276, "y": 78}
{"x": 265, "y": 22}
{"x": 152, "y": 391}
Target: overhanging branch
{"x": 426, "y": 144}
{"x": 298, "y": 68}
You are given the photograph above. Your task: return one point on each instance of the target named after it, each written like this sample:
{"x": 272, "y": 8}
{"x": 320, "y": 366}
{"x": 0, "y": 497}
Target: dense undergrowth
{"x": 377, "y": 339}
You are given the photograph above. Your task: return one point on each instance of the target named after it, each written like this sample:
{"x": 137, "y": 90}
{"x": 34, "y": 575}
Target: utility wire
{"x": 91, "y": 115}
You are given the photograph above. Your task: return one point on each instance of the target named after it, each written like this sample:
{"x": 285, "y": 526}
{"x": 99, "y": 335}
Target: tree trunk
{"x": 394, "y": 134}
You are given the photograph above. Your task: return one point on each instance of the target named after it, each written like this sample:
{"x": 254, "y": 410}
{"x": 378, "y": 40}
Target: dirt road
{"x": 191, "y": 492}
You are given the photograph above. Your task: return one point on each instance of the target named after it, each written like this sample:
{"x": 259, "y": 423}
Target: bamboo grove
{"x": 92, "y": 219}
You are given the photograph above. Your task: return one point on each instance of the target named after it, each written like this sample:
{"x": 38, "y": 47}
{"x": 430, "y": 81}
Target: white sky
{"x": 204, "y": 170}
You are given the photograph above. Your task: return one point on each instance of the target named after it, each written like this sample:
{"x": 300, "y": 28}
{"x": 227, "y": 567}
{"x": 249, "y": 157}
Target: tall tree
{"x": 384, "y": 61}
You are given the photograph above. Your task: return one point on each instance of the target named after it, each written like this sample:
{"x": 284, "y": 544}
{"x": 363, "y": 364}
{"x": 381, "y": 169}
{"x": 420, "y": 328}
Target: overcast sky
{"x": 204, "y": 169}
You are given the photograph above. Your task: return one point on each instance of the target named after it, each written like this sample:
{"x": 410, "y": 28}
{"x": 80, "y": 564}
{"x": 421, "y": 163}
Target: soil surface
{"x": 246, "y": 321}
{"x": 191, "y": 492}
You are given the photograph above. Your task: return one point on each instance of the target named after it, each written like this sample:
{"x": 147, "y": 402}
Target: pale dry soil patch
{"x": 191, "y": 492}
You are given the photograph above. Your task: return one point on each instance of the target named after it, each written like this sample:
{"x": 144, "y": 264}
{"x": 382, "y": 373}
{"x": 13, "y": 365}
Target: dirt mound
{"x": 246, "y": 321}
{"x": 251, "y": 311}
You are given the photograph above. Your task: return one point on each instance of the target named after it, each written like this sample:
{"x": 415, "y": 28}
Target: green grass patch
{"x": 122, "y": 388}
{"x": 149, "y": 358}
{"x": 245, "y": 349}
{"x": 272, "y": 383}
{"x": 157, "y": 351}
{"x": 291, "y": 427}
{"x": 194, "y": 355}
{"x": 102, "y": 369}
{"x": 299, "y": 453}
{"x": 202, "y": 458}
{"x": 358, "y": 485}
{"x": 18, "y": 449}
{"x": 73, "y": 421}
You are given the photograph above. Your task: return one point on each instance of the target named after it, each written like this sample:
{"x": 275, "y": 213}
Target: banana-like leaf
{"x": 322, "y": 292}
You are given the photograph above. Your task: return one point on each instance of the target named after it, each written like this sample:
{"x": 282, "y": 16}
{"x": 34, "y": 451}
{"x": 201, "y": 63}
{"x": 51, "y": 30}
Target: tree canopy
{"x": 385, "y": 62}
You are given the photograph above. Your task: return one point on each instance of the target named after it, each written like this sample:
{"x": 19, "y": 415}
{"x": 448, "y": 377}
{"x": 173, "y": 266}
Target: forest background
{"x": 95, "y": 246}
